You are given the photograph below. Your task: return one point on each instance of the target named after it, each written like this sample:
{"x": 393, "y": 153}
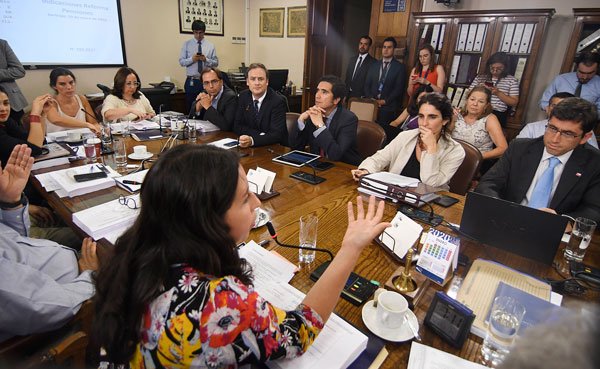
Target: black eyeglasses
{"x": 568, "y": 134}
{"x": 128, "y": 201}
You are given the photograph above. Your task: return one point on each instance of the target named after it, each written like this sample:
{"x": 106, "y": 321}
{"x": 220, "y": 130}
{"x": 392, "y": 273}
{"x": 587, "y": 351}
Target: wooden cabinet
{"x": 464, "y": 40}
{"x": 585, "y": 36}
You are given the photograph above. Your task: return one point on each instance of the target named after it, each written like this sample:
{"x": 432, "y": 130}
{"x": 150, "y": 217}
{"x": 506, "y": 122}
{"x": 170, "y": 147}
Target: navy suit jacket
{"x": 338, "y": 140}
{"x": 270, "y": 127}
{"x": 577, "y": 193}
{"x": 356, "y": 85}
{"x": 224, "y": 115}
{"x": 393, "y": 86}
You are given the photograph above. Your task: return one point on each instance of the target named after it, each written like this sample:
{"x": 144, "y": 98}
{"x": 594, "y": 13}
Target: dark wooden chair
{"x": 369, "y": 138}
{"x": 290, "y": 120}
{"x": 461, "y": 181}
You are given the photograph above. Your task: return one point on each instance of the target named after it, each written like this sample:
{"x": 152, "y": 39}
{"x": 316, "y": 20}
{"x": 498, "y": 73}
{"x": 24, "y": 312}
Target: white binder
{"x": 434, "y": 36}
{"x": 507, "y": 37}
{"x": 454, "y": 70}
{"x": 462, "y": 38}
{"x": 480, "y": 37}
{"x": 450, "y": 93}
{"x": 471, "y": 37}
{"x": 441, "y": 38}
{"x": 516, "y": 41}
{"x": 520, "y": 68}
{"x": 524, "y": 48}
{"x": 458, "y": 97}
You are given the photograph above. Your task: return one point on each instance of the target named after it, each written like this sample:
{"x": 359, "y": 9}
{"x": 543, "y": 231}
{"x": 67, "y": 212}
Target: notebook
{"x": 515, "y": 228}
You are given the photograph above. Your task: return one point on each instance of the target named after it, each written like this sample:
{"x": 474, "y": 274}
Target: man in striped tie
{"x": 559, "y": 172}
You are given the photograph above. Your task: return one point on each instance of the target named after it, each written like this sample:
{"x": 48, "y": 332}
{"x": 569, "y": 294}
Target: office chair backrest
{"x": 462, "y": 179}
{"x": 104, "y": 89}
{"x": 290, "y": 120}
{"x": 364, "y": 108}
{"x": 369, "y": 138}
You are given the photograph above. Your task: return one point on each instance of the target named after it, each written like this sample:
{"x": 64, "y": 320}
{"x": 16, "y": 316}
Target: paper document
{"x": 402, "y": 235}
{"x": 61, "y": 136}
{"x": 425, "y": 357}
{"x": 143, "y": 125}
{"x": 203, "y": 125}
{"x": 106, "y": 219}
{"x": 267, "y": 266}
{"x": 395, "y": 179}
{"x": 225, "y": 143}
{"x": 71, "y": 188}
{"x": 137, "y": 177}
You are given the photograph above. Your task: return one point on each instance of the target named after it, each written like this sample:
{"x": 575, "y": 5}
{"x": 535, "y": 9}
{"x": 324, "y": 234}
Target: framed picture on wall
{"x": 296, "y": 26}
{"x": 271, "y": 22}
{"x": 208, "y": 11}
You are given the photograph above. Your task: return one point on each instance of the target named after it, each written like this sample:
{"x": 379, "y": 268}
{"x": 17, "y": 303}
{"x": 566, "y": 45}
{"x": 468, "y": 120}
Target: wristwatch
{"x": 11, "y": 205}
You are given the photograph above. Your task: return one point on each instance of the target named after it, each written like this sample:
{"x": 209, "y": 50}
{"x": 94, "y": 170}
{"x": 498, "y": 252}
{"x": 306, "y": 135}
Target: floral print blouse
{"x": 207, "y": 322}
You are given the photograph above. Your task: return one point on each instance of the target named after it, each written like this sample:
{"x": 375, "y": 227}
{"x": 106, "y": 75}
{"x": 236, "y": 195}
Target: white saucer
{"x": 401, "y": 334}
{"x": 262, "y": 217}
{"x": 134, "y": 156}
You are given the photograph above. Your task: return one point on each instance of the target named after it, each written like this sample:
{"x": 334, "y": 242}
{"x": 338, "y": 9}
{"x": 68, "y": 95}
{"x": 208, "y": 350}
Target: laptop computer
{"x": 515, "y": 228}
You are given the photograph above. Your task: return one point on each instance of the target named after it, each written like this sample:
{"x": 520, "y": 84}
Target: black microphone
{"x": 160, "y": 118}
{"x": 88, "y": 114}
{"x": 274, "y": 237}
{"x": 192, "y": 107}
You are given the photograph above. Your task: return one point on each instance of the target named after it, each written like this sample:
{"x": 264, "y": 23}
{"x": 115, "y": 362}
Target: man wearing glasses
{"x": 196, "y": 54}
{"x": 584, "y": 82}
{"x": 218, "y": 103}
{"x": 537, "y": 129}
{"x": 559, "y": 172}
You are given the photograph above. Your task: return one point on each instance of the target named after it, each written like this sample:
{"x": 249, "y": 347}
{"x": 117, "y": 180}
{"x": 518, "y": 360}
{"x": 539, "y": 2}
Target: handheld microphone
{"x": 274, "y": 237}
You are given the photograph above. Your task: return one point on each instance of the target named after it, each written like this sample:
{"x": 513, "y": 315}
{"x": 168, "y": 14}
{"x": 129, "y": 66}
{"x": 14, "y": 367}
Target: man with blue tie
{"x": 196, "y": 54}
{"x": 328, "y": 128}
{"x": 386, "y": 82}
{"x": 559, "y": 172}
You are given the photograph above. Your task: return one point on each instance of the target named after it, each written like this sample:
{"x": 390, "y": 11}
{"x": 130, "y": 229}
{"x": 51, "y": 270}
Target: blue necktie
{"x": 540, "y": 197}
{"x": 200, "y": 52}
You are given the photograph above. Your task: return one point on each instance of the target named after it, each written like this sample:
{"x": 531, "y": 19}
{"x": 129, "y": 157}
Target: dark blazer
{"x": 338, "y": 141}
{"x": 393, "y": 86}
{"x": 356, "y": 86}
{"x": 11, "y": 135}
{"x": 270, "y": 127}
{"x": 224, "y": 115}
{"x": 578, "y": 190}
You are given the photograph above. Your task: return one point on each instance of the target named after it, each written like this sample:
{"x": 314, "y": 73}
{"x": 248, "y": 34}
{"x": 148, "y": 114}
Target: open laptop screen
{"x": 515, "y": 228}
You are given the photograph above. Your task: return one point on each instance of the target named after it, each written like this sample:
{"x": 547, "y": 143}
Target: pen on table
{"x": 136, "y": 183}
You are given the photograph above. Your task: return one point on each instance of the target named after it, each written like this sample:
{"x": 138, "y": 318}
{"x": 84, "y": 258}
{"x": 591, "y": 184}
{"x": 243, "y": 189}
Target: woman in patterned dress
{"x": 177, "y": 294}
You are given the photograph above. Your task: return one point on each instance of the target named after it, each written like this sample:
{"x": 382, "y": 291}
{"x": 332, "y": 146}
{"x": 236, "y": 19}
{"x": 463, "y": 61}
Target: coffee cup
{"x": 391, "y": 308}
{"x": 74, "y": 136}
{"x": 140, "y": 150}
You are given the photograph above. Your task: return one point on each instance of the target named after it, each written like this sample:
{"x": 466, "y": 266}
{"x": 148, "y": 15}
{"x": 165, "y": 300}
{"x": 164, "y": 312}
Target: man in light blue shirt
{"x": 42, "y": 284}
{"x": 537, "y": 129}
{"x": 584, "y": 82}
{"x": 196, "y": 54}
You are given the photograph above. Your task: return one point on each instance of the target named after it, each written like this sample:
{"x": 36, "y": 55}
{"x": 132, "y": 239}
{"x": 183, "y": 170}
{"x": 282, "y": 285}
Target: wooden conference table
{"x": 328, "y": 201}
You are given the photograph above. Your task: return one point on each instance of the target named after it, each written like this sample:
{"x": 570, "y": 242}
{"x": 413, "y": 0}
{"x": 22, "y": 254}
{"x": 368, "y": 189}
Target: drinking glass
{"x": 308, "y": 237}
{"x": 504, "y": 322}
{"x": 583, "y": 229}
{"x": 120, "y": 152}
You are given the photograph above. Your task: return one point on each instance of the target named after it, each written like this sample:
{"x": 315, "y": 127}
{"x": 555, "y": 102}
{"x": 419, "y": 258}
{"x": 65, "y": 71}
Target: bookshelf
{"x": 466, "y": 39}
{"x": 585, "y": 36}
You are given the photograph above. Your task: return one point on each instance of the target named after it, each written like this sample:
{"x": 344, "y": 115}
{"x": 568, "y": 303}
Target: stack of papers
{"x": 225, "y": 143}
{"x": 62, "y": 136}
{"x": 109, "y": 220}
{"x": 63, "y": 183}
{"x": 425, "y": 357}
{"x": 137, "y": 177}
{"x": 143, "y": 125}
{"x": 338, "y": 344}
{"x": 203, "y": 125}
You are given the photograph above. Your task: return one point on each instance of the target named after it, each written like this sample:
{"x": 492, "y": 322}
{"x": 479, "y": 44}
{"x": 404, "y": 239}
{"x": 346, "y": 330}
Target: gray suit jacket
{"x": 10, "y": 70}
{"x": 578, "y": 190}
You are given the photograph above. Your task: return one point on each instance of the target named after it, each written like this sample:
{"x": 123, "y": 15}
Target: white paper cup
{"x": 140, "y": 150}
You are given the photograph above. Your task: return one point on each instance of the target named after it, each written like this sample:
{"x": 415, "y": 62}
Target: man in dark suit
{"x": 327, "y": 127}
{"x": 260, "y": 117}
{"x": 358, "y": 67}
{"x": 219, "y": 103}
{"x": 386, "y": 82}
{"x": 557, "y": 173}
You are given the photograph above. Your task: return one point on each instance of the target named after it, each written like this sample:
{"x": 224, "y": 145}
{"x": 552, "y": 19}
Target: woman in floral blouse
{"x": 177, "y": 294}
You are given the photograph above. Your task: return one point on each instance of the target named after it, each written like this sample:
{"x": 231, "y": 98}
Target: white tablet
{"x": 296, "y": 158}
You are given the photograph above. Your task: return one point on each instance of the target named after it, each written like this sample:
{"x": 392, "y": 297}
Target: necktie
{"x": 540, "y": 197}
{"x": 199, "y": 52}
{"x": 256, "y": 110}
{"x": 578, "y": 90}
{"x": 384, "y": 72}
{"x": 358, "y": 64}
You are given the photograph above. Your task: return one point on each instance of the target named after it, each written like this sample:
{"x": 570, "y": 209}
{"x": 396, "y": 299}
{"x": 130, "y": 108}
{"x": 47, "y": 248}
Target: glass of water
{"x": 505, "y": 319}
{"x": 120, "y": 152}
{"x": 308, "y": 237}
{"x": 583, "y": 229}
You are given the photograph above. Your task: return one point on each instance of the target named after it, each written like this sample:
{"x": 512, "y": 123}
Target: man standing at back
{"x": 557, "y": 173}
{"x": 260, "y": 117}
{"x": 327, "y": 127}
{"x": 584, "y": 82}
{"x": 358, "y": 67}
{"x": 196, "y": 54}
{"x": 219, "y": 103}
{"x": 386, "y": 83}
